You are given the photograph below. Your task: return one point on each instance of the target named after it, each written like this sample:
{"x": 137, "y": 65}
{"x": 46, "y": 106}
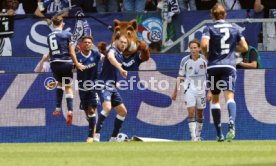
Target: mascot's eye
{"x": 128, "y": 33}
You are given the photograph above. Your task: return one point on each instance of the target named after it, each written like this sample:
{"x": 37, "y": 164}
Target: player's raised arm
{"x": 114, "y": 62}
{"x": 74, "y": 57}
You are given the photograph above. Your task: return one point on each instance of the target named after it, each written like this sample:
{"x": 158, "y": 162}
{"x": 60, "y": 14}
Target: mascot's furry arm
{"x": 102, "y": 47}
{"x": 144, "y": 50}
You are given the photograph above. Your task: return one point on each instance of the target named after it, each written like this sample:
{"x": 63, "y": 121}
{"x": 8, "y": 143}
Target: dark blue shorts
{"x": 110, "y": 95}
{"x": 62, "y": 69}
{"x": 88, "y": 98}
{"x": 220, "y": 79}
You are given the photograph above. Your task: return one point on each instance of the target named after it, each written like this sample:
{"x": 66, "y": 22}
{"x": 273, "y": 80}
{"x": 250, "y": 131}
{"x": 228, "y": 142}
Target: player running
{"x": 221, "y": 39}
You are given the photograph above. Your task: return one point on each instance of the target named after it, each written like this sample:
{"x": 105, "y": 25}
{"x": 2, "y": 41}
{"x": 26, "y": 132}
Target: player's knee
{"x": 123, "y": 113}
{"x": 199, "y": 112}
{"x": 91, "y": 110}
{"x": 107, "y": 106}
{"x": 215, "y": 99}
{"x": 200, "y": 117}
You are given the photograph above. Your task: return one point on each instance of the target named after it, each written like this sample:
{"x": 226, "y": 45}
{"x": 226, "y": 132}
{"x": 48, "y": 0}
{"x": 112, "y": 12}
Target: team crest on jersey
{"x": 150, "y": 30}
{"x": 201, "y": 66}
{"x": 91, "y": 58}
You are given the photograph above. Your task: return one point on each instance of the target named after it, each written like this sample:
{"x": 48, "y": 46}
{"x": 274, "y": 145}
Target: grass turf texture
{"x": 244, "y": 153}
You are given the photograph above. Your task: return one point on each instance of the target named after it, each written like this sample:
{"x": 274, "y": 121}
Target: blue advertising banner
{"x": 26, "y": 108}
{"x": 163, "y": 62}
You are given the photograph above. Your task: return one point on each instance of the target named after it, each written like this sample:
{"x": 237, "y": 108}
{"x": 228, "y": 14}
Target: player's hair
{"x": 194, "y": 41}
{"x": 57, "y": 20}
{"x": 218, "y": 11}
{"x": 87, "y": 37}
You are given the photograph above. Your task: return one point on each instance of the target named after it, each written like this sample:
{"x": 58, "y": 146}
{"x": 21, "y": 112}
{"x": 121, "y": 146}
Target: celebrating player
{"x": 88, "y": 95}
{"x": 109, "y": 95}
{"x": 62, "y": 52}
{"x": 193, "y": 67}
{"x": 221, "y": 38}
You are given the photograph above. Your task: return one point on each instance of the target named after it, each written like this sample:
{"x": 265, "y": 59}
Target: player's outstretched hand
{"x": 123, "y": 73}
{"x": 80, "y": 66}
{"x": 173, "y": 96}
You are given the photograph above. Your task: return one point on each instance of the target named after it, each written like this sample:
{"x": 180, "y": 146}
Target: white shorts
{"x": 195, "y": 100}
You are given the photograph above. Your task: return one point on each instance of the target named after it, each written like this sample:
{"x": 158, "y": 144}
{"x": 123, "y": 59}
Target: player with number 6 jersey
{"x": 62, "y": 52}
{"x": 221, "y": 39}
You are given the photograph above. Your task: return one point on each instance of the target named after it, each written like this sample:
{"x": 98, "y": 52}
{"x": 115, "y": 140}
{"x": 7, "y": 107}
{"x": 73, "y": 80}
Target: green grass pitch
{"x": 183, "y": 153}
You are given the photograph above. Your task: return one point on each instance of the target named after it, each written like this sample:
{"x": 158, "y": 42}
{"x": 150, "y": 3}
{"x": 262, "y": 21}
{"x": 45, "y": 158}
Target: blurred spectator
{"x": 9, "y": 5}
{"x": 249, "y": 59}
{"x": 151, "y": 5}
{"x": 155, "y": 47}
{"x": 230, "y": 4}
{"x": 205, "y": 4}
{"x": 186, "y": 5}
{"x": 264, "y": 6}
{"x": 259, "y": 5}
{"x": 134, "y": 5}
{"x": 107, "y": 5}
{"x": 52, "y": 7}
{"x": 88, "y": 6}
{"x": 29, "y": 6}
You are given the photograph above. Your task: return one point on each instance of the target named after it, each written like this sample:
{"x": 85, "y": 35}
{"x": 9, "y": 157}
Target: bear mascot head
{"x": 134, "y": 45}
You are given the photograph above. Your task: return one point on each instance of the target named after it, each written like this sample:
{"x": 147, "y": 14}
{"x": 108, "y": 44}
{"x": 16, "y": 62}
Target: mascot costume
{"x": 137, "y": 50}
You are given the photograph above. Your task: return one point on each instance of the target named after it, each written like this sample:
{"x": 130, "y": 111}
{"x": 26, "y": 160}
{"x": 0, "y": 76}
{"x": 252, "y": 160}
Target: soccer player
{"x": 193, "y": 67}
{"x": 109, "y": 95}
{"x": 88, "y": 96}
{"x": 221, "y": 39}
{"x": 62, "y": 52}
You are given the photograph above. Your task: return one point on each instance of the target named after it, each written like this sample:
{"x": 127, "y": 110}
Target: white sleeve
{"x": 182, "y": 69}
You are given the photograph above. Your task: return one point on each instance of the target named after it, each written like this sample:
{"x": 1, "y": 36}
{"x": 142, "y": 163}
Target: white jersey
{"x": 194, "y": 73}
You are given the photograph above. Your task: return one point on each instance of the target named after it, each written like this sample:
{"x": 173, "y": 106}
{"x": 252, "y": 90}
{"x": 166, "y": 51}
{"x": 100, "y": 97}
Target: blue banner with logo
{"x": 26, "y": 106}
{"x": 28, "y": 64}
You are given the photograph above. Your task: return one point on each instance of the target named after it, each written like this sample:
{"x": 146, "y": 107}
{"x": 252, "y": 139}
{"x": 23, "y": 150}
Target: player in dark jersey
{"x": 86, "y": 79}
{"x": 62, "y": 52}
{"x": 221, "y": 39}
{"x": 132, "y": 62}
{"x": 109, "y": 95}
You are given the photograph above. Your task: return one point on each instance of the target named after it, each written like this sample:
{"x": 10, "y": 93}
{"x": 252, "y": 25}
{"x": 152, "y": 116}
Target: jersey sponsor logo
{"x": 130, "y": 63}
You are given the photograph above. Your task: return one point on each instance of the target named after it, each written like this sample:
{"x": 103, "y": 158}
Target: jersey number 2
{"x": 224, "y": 46}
